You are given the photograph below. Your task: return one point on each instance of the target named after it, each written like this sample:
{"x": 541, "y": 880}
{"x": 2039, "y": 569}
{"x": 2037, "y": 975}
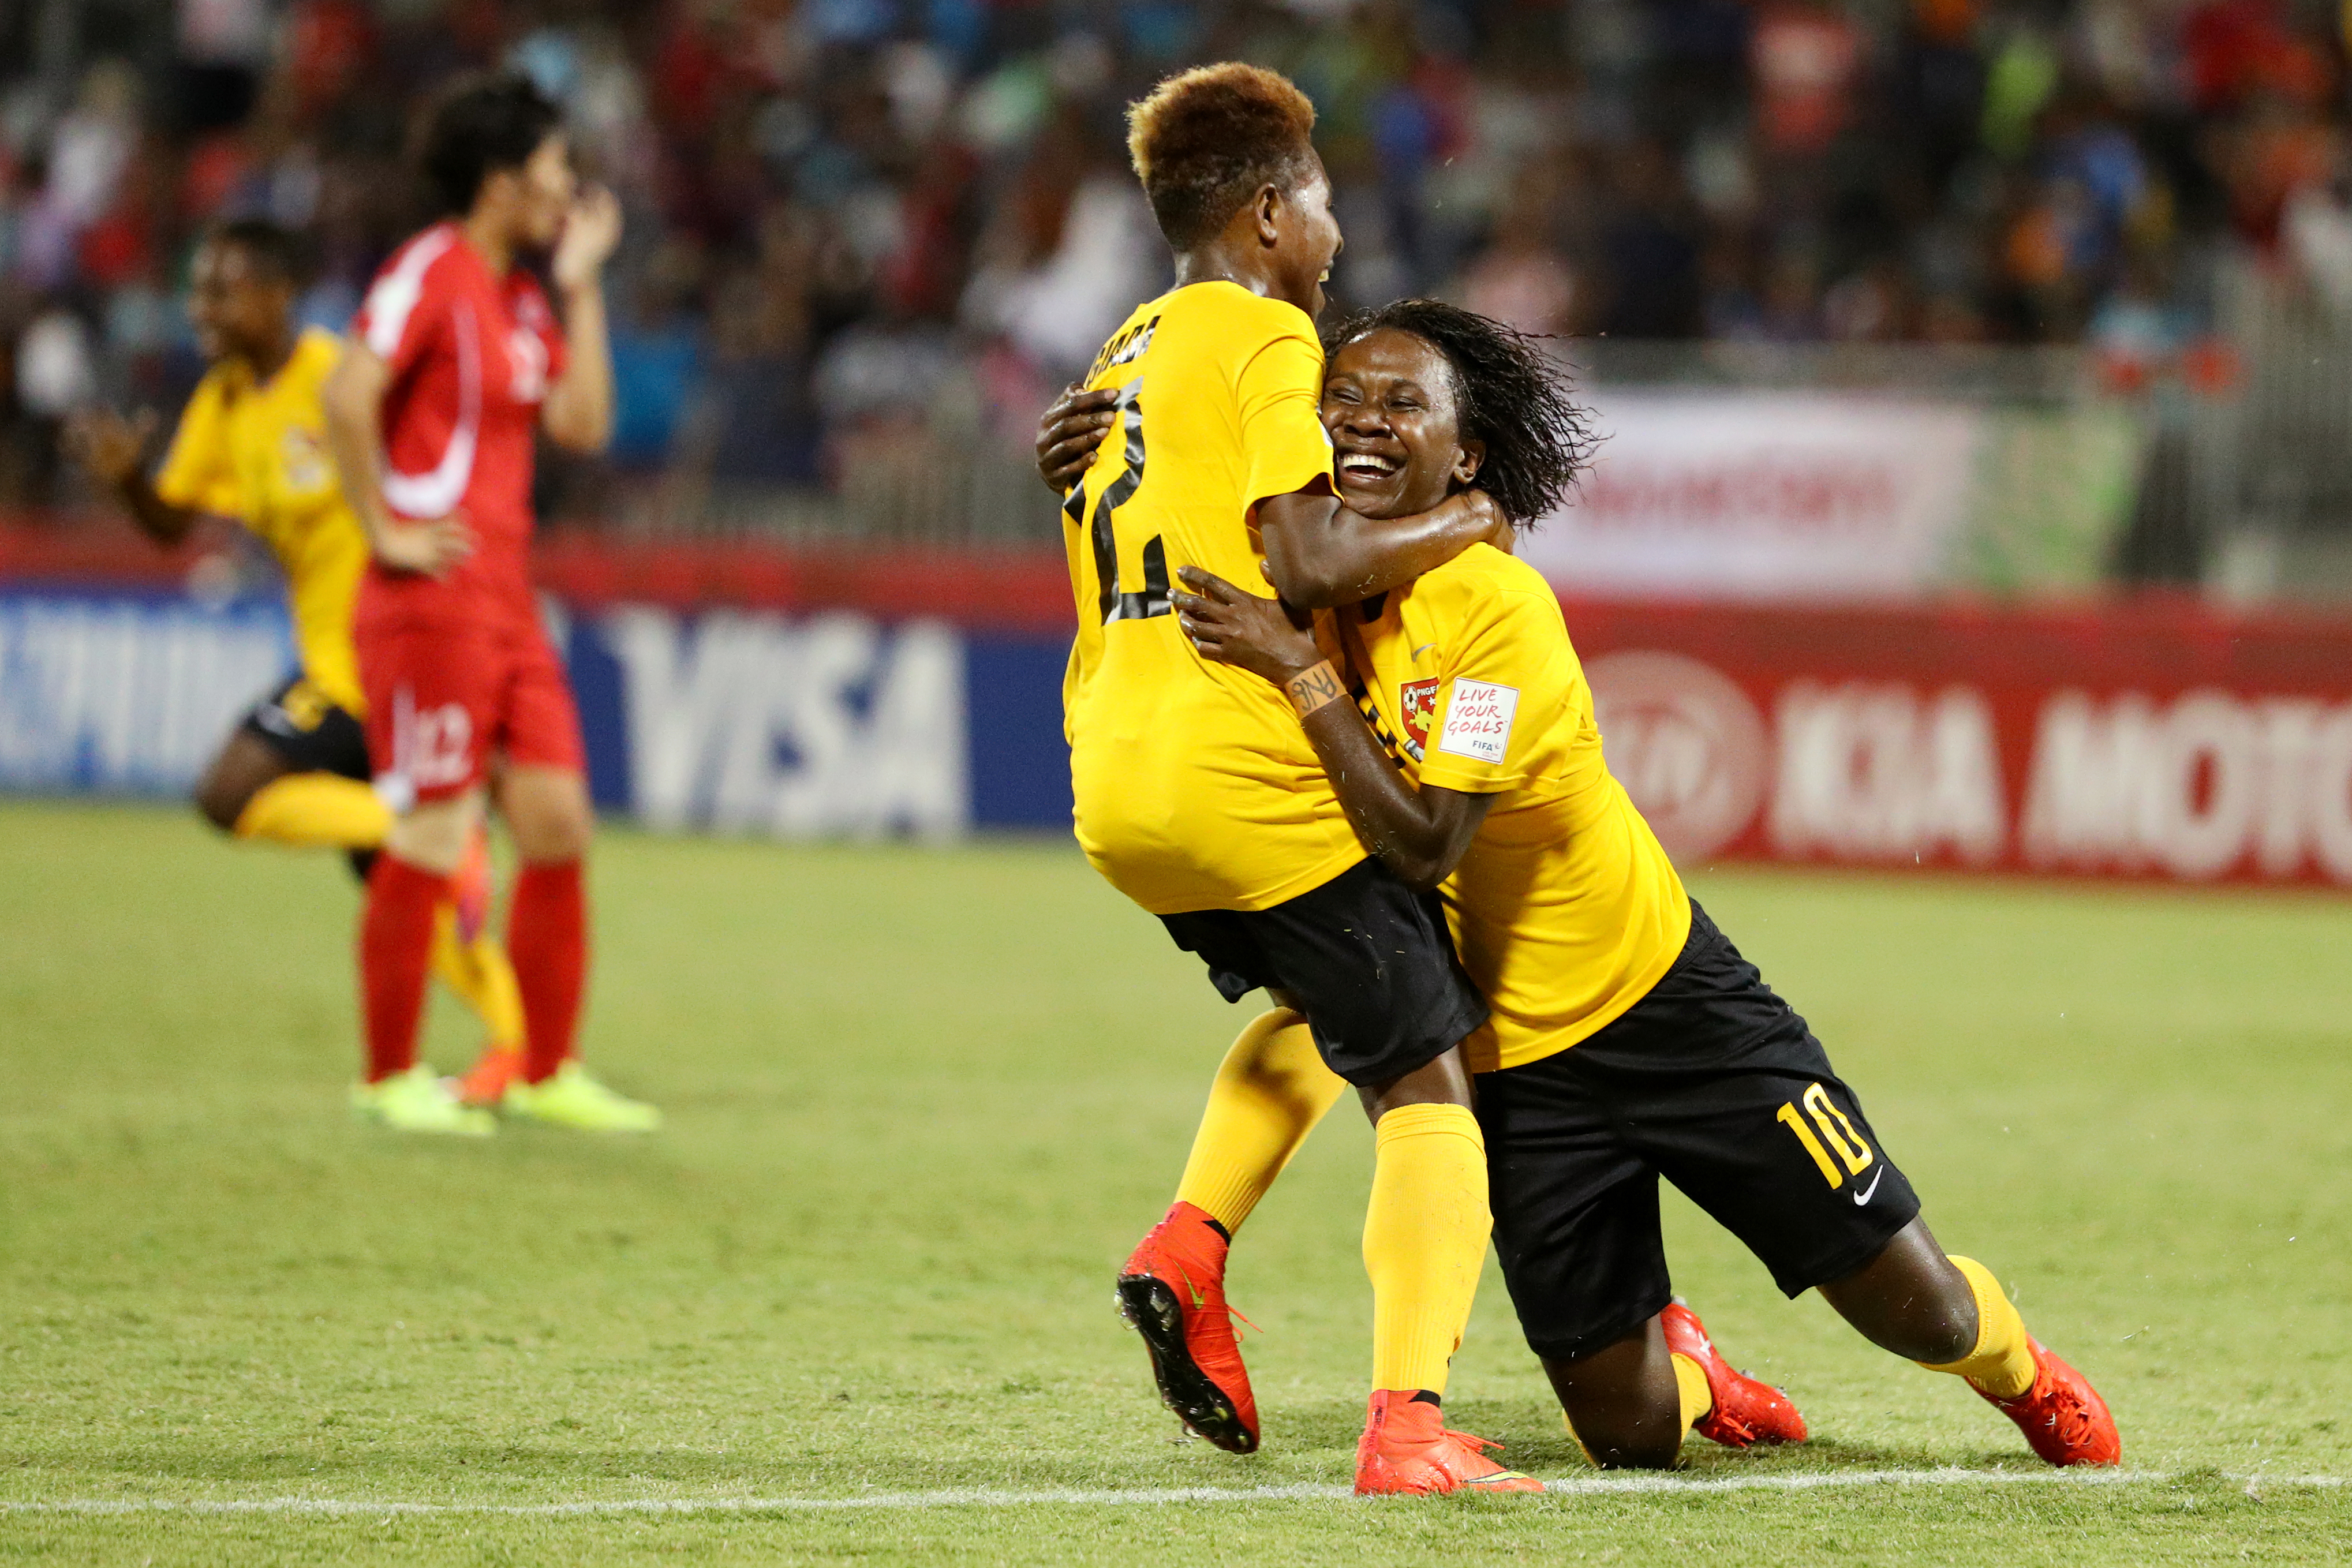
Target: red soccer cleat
{"x": 1746, "y": 1412}
{"x": 484, "y": 1082}
{"x": 2061, "y": 1416}
{"x": 1172, "y": 1291}
{"x": 1406, "y": 1449}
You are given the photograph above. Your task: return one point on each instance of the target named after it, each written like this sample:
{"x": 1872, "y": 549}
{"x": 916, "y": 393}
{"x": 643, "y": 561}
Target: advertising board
{"x": 1810, "y": 496}
{"x": 2148, "y": 740}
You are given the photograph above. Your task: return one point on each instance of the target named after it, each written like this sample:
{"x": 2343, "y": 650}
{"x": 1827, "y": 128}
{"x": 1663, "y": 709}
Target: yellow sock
{"x": 1690, "y": 1381}
{"x": 313, "y": 808}
{"x": 2002, "y": 1362}
{"x": 1425, "y": 1240}
{"x": 480, "y": 977}
{"x": 1269, "y": 1093}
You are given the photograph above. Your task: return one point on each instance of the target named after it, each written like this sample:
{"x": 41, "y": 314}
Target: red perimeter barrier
{"x": 2155, "y": 738}
{"x": 2151, "y": 739}
{"x": 96, "y": 550}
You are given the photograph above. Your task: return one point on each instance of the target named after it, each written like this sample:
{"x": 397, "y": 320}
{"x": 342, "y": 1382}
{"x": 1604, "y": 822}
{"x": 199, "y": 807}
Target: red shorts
{"x": 443, "y": 697}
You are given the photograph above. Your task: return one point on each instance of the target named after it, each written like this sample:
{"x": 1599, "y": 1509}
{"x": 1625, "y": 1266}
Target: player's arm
{"x": 353, "y": 403}
{"x": 1318, "y": 552}
{"x": 578, "y": 413}
{"x": 112, "y": 448}
{"x": 1419, "y": 834}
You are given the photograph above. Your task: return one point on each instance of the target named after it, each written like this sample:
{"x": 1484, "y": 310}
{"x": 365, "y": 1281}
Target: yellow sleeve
{"x": 1284, "y": 447}
{"x": 200, "y": 470}
{"x": 1507, "y": 671}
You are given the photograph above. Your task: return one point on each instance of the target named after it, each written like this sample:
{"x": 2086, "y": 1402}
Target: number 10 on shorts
{"x": 1837, "y": 1131}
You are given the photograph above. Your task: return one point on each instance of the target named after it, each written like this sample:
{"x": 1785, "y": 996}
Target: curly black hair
{"x": 1512, "y": 396}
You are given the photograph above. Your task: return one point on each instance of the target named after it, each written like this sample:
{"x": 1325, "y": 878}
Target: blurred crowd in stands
{"x": 841, "y": 211}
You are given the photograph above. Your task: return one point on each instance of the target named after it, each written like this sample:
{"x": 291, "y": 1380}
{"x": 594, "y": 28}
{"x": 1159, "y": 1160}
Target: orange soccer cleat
{"x": 1406, "y": 1449}
{"x": 2061, "y": 1416}
{"x": 1746, "y": 1412}
{"x": 484, "y": 1082}
{"x": 1172, "y": 1291}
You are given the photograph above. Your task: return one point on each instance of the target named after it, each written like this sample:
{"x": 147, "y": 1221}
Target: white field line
{"x": 985, "y": 1497}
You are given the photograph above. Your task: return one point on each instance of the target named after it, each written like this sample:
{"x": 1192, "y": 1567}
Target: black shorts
{"x": 1368, "y": 958}
{"x": 310, "y": 731}
{"x": 1713, "y": 1083}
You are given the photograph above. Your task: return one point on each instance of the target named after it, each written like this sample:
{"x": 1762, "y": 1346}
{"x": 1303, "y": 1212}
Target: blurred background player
{"x": 1627, "y": 1038}
{"x": 250, "y": 447}
{"x": 1196, "y": 794}
{"x": 453, "y": 363}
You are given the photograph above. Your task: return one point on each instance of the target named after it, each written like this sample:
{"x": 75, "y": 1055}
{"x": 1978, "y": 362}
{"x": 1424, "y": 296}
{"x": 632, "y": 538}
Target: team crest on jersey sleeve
{"x": 1416, "y": 701}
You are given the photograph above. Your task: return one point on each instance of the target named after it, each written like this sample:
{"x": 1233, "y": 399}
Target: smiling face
{"x": 1389, "y": 406}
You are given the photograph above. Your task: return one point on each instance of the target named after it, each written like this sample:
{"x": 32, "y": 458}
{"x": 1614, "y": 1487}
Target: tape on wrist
{"x": 1314, "y": 688}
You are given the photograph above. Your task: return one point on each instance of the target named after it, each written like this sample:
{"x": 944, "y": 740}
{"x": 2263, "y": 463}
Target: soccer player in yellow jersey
{"x": 250, "y": 447}
{"x": 1628, "y": 1039}
{"x": 1198, "y": 797}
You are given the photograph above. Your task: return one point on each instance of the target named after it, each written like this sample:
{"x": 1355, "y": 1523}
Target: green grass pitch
{"x": 921, "y": 1103}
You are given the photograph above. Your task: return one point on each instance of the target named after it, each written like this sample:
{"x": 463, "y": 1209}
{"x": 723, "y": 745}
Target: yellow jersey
{"x": 1195, "y": 787}
{"x": 1565, "y": 910}
{"x": 257, "y": 453}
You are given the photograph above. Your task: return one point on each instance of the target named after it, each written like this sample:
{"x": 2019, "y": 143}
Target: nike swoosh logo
{"x": 1864, "y": 1195}
{"x": 1424, "y": 648}
{"x": 1201, "y": 1297}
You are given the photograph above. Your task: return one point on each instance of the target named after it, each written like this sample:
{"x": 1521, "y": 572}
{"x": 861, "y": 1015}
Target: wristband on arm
{"x": 1314, "y": 688}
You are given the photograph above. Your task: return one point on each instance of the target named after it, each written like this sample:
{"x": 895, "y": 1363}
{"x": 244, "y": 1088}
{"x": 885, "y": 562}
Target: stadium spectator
{"x": 1787, "y": 171}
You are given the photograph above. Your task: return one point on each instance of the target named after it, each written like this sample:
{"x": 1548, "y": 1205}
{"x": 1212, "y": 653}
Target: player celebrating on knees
{"x": 453, "y": 362}
{"x": 1629, "y": 1040}
{"x": 1198, "y": 797}
{"x": 250, "y": 447}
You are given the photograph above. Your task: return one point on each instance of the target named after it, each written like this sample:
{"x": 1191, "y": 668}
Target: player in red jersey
{"x": 453, "y": 363}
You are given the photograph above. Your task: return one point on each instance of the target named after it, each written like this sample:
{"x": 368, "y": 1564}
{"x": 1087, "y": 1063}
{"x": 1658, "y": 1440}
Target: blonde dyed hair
{"x": 1204, "y": 140}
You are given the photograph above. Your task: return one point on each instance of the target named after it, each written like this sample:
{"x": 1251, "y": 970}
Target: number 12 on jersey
{"x": 1116, "y": 605}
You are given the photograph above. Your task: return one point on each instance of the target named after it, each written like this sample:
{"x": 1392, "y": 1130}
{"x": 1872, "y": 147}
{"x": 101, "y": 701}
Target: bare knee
{"x": 548, "y": 812}
{"x": 243, "y": 768}
{"x": 1909, "y": 1300}
{"x": 552, "y": 838}
{"x": 1653, "y": 1440}
{"x": 220, "y": 802}
{"x": 1622, "y": 1401}
{"x": 1946, "y": 1331}
{"x": 432, "y": 837}
{"x": 1445, "y": 1082}
{"x": 555, "y": 843}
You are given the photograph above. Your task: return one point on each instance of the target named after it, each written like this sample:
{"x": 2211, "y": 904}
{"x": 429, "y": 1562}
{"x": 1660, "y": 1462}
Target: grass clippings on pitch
{"x": 921, "y": 1103}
